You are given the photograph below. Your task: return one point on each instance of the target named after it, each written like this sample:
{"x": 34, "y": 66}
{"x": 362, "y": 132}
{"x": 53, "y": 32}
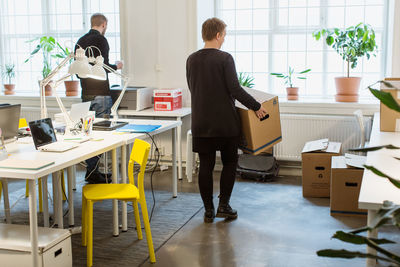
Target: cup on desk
{"x": 87, "y": 124}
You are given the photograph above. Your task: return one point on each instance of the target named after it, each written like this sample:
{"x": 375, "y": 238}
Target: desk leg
{"x": 33, "y": 223}
{"x": 74, "y": 178}
{"x": 371, "y": 234}
{"x": 174, "y": 176}
{"x": 58, "y": 205}
{"x": 179, "y": 149}
{"x": 45, "y": 202}
{"x": 55, "y": 198}
{"x": 70, "y": 177}
{"x": 115, "y": 202}
{"x": 6, "y": 201}
{"x": 124, "y": 178}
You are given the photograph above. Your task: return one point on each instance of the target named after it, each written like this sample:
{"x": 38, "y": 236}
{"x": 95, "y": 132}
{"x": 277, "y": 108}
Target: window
{"x": 65, "y": 20}
{"x": 267, "y": 36}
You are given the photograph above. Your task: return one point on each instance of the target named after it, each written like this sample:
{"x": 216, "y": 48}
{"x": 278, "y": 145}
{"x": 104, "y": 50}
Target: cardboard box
{"x": 260, "y": 135}
{"x": 345, "y": 188}
{"x": 135, "y": 98}
{"x": 390, "y": 119}
{"x": 167, "y": 99}
{"x": 316, "y": 167}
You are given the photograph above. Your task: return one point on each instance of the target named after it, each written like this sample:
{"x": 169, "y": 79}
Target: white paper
{"x": 317, "y": 145}
{"x": 355, "y": 160}
{"x": 259, "y": 96}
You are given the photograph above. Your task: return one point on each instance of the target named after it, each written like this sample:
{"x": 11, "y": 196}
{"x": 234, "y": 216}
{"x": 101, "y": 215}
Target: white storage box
{"x": 15, "y": 246}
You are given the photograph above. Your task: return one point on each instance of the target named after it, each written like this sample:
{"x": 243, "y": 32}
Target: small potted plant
{"x": 9, "y": 74}
{"x": 245, "y": 80}
{"x": 351, "y": 44}
{"x": 71, "y": 86}
{"x": 46, "y": 45}
{"x": 292, "y": 91}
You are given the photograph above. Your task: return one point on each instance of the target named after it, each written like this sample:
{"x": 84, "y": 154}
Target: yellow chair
{"x": 126, "y": 192}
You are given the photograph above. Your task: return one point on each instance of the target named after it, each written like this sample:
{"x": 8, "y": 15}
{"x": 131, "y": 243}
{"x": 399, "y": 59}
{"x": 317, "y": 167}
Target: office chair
{"x": 92, "y": 193}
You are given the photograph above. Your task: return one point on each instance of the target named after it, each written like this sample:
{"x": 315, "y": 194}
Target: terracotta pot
{"x": 347, "y": 85}
{"x": 48, "y": 91}
{"x": 71, "y": 88}
{"x": 346, "y": 98}
{"x": 292, "y": 93}
{"x": 9, "y": 89}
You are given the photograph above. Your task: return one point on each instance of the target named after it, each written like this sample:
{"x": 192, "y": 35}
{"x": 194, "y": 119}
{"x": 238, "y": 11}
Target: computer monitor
{"x": 9, "y": 121}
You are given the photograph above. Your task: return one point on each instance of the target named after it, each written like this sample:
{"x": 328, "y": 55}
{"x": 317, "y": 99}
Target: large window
{"x": 65, "y": 20}
{"x": 267, "y": 36}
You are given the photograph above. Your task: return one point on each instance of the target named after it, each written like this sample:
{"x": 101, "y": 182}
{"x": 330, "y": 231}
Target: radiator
{"x": 33, "y": 113}
{"x": 297, "y": 129}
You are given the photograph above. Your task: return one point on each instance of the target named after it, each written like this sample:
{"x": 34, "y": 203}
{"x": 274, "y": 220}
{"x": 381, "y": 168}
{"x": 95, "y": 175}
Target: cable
{"x": 151, "y": 176}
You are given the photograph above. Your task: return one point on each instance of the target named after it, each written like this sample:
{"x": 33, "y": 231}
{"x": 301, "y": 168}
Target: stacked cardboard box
{"x": 316, "y": 167}
{"x": 390, "y": 119}
{"x": 345, "y": 187}
{"x": 167, "y": 99}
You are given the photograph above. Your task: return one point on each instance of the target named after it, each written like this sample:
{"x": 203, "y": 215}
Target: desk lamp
{"x": 83, "y": 69}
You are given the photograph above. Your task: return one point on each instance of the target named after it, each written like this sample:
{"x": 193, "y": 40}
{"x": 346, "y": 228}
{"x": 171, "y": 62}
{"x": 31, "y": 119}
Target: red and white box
{"x": 167, "y": 99}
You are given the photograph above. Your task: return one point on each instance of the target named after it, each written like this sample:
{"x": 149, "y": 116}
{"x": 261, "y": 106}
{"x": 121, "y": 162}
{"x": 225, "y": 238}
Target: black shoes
{"x": 225, "y": 211}
{"x": 209, "y": 215}
{"x": 97, "y": 177}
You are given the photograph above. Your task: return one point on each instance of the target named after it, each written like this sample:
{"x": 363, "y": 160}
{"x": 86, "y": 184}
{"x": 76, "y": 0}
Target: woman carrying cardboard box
{"x": 214, "y": 86}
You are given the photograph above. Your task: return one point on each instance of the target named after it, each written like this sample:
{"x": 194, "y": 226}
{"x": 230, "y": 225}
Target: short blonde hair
{"x": 97, "y": 19}
{"x": 211, "y": 27}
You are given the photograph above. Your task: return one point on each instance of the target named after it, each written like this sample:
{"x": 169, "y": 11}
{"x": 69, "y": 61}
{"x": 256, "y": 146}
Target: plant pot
{"x": 292, "y": 93}
{"x": 47, "y": 89}
{"x": 347, "y": 89}
{"x": 71, "y": 88}
{"x": 9, "y": 89}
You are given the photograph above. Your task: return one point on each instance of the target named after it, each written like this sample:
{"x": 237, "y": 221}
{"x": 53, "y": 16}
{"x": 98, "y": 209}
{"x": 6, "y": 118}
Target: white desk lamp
{"x": 83, "y": 69}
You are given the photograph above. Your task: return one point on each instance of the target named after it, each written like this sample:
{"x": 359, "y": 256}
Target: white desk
{"x": 62, "y": 160}
{"x": 178, "y": 114}
{"x": 375, "y": 189}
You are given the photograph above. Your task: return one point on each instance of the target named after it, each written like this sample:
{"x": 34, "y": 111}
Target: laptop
{"x": 79, "y": 110}
{"x": 107, "y": 125}
{"x": 44, "y": 137}
{"x": 9, "y": 121}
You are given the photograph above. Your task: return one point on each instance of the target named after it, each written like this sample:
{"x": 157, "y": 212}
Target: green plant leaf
{"x": 357, "y": 239}
{"x": 305, "y": 71}
{"x": 386, "y": 99}
{"x": 342, "y": 253}
{"x": 329, "y": 40}
{"x": 395, "y": 182}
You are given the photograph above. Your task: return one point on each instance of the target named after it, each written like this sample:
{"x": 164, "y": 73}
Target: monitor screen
{"x": 42, "y": 132}
{"x": 9, "y": 120}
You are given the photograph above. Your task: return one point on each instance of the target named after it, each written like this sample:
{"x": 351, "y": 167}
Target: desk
{"x": 374, "y": 189}
{"x": 178, "y": 114}
{"x": 110, "y": 141}
{"x": 61, "y": 161}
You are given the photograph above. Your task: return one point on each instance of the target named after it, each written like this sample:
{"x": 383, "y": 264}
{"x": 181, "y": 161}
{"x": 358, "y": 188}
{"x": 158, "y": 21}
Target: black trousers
{"x": 207, "y": 147}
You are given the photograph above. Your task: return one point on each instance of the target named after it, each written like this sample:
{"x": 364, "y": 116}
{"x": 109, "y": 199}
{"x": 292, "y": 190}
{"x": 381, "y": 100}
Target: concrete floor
{"x": 276, "y": 227}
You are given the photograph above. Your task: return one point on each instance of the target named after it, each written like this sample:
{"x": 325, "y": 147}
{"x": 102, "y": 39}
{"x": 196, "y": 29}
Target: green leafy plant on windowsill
{"x": 290, "y": 76}
{"x": 389, "y": 214}
{"x": 246, "y": 80}
{"x": 9, "y": 72}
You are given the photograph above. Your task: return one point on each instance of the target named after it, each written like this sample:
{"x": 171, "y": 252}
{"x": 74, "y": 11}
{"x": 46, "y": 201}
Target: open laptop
{"x": 9, "y": 121}
{"x": 79, "y": 110}
{"x": 44, "y": 137}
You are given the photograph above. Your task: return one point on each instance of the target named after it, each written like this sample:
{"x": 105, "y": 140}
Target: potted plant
{"x": 292, "y": 91}
{"x": 245, "y": 80}
{"x": 351, "y": 44}
{"x": 72, "y": 86}
{"x": 46, "y": 45}
{"x": 9, "y": 73}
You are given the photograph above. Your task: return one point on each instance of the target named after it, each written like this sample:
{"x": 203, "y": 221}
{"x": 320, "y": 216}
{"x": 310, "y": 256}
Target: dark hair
{"x": 97, "y": 19}
{"x": 211, "y": 27}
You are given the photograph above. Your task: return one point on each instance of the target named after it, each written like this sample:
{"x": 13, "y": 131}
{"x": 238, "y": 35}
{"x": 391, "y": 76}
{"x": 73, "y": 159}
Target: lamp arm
{"x": 45, "y": 81}
{"x": 125, "y": 79}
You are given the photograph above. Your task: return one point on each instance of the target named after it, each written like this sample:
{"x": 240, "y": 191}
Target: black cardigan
{"x": 92, "y": 87}
{"x": 214, "y": 86}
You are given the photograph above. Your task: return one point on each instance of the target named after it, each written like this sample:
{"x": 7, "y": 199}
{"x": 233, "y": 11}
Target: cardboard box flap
{"x": 314, "y": 146}
{"x": 333, "y": 147}
{"x": 259, "y": 96}
{"x": 355, "y": 160}
{"x": 395, "y": 82}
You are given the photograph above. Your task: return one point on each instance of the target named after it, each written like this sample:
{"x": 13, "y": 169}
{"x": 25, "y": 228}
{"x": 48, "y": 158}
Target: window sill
{"x": 33, "y": 100}
{"x": 327, "y": 106}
